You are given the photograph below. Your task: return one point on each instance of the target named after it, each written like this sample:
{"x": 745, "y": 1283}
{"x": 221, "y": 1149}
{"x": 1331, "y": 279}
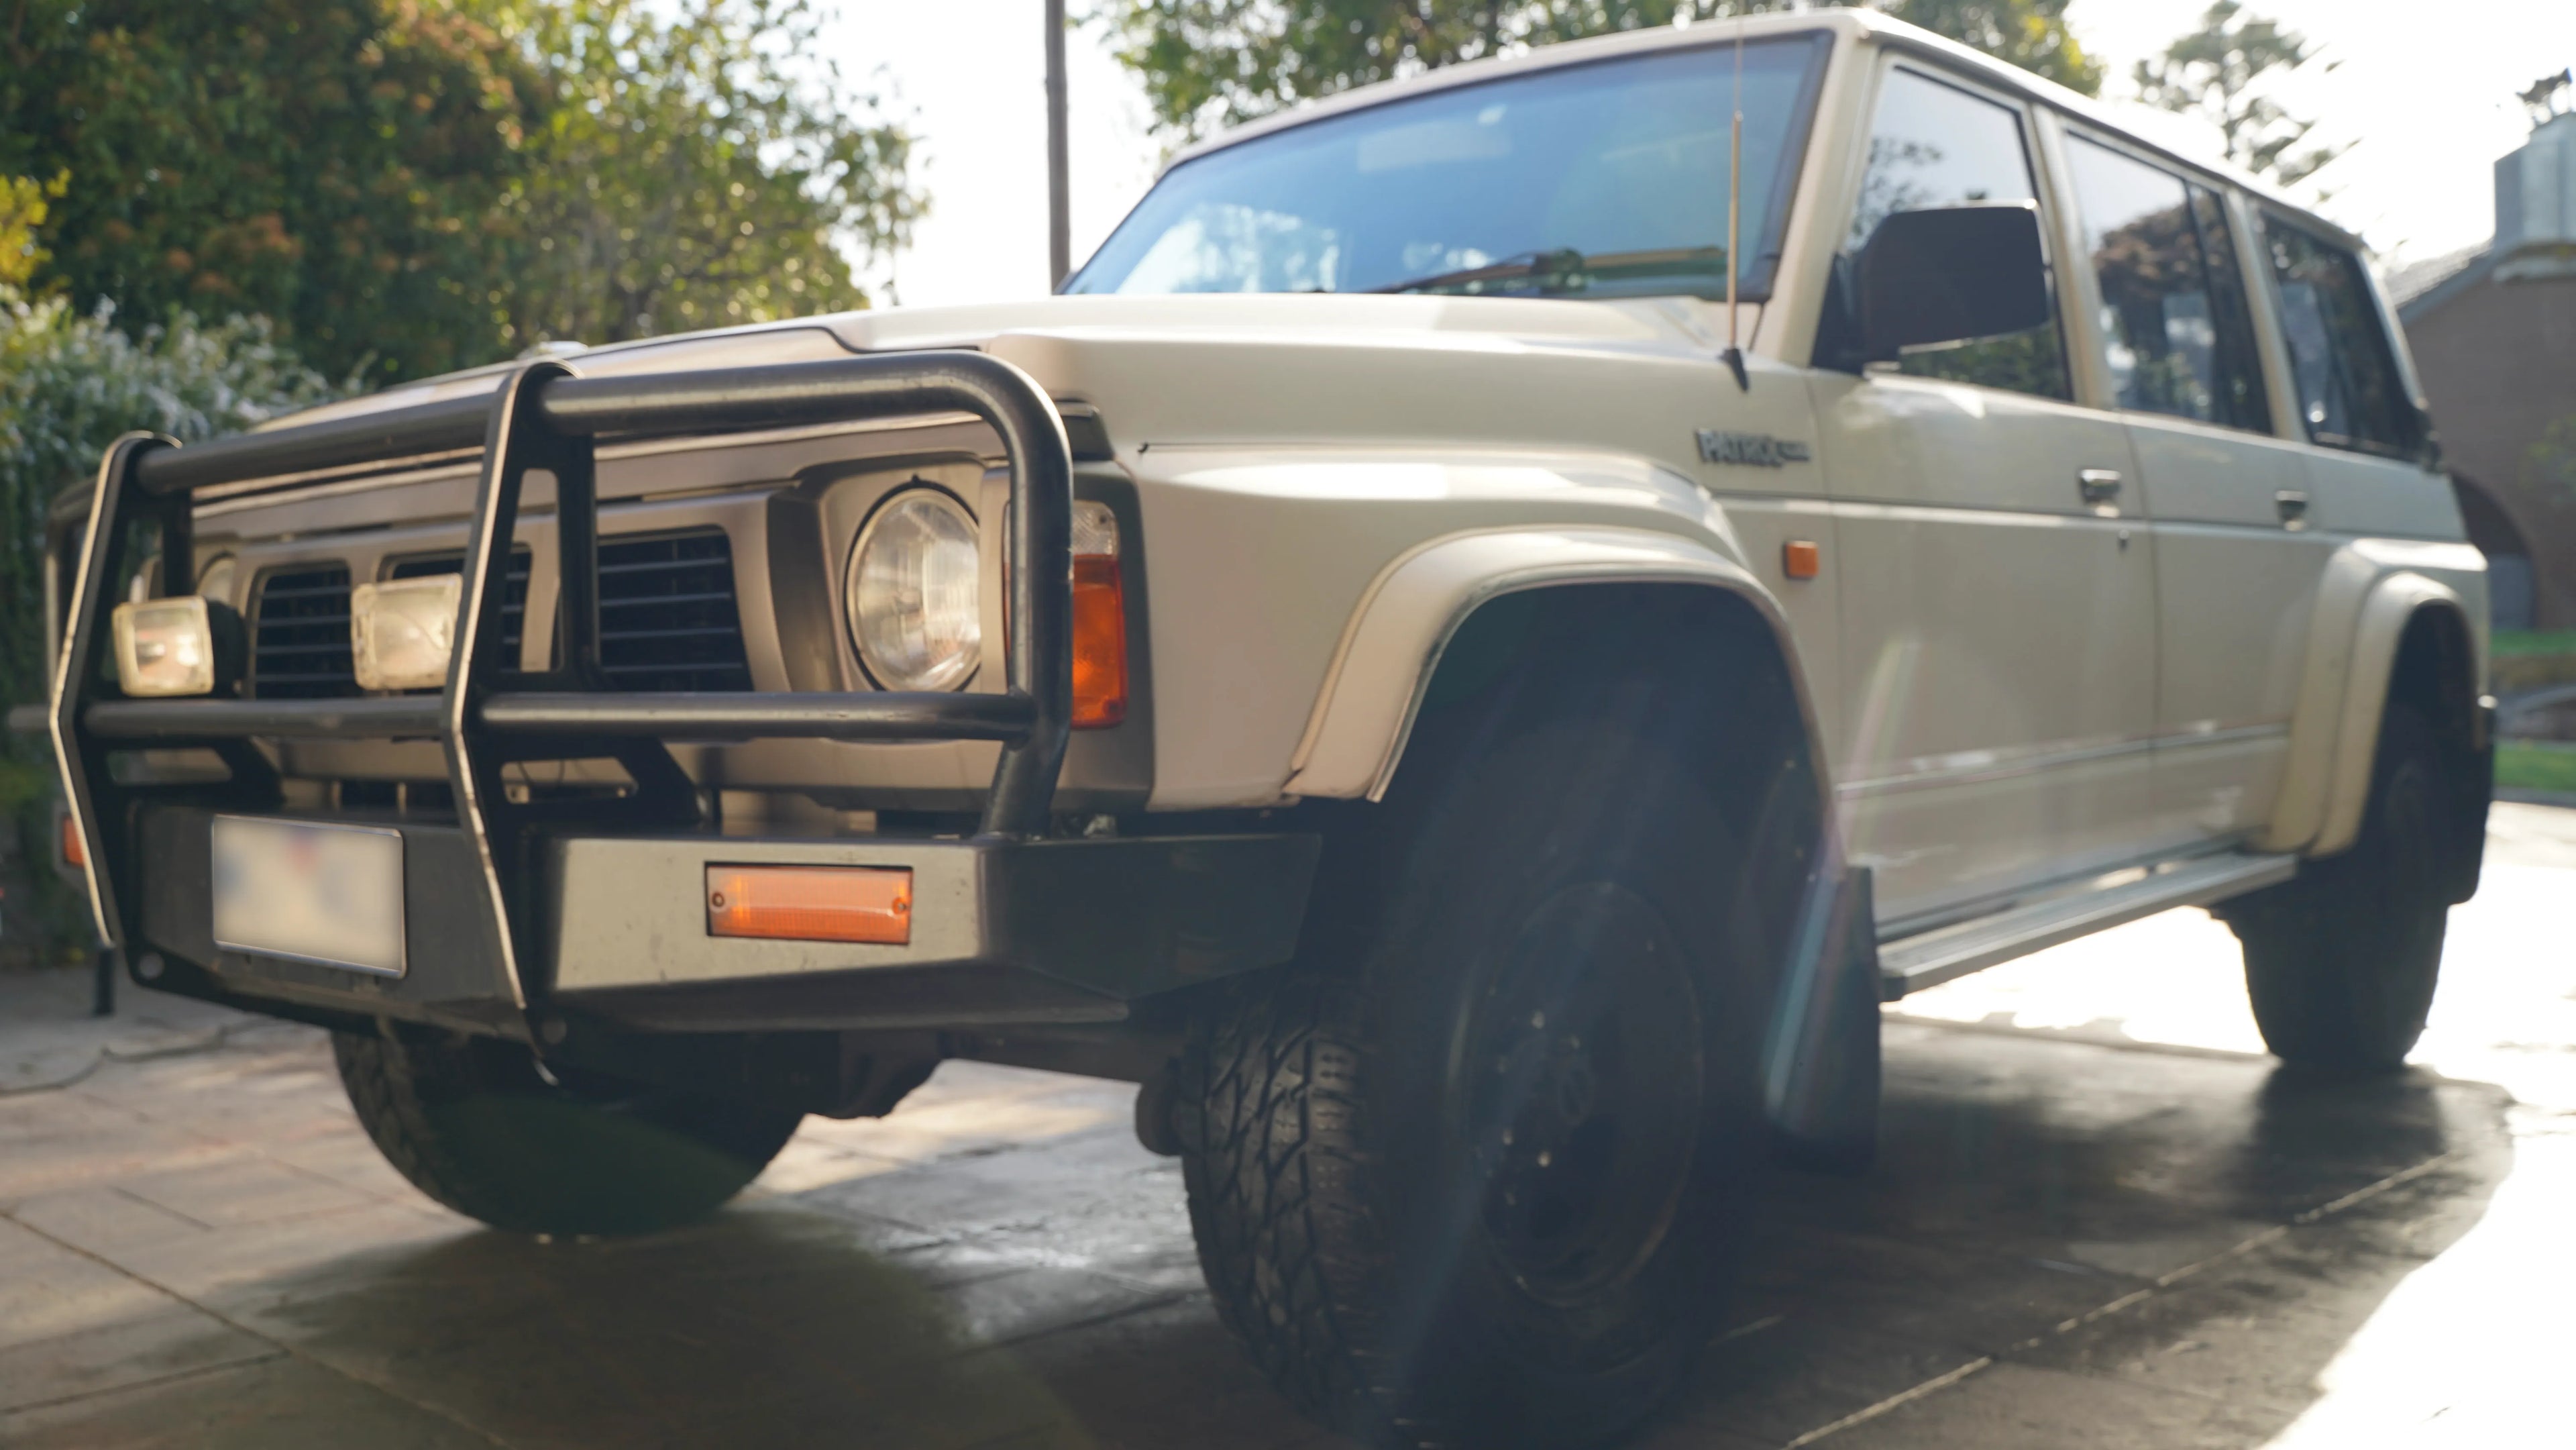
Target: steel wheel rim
{"x": 1587, "y": 1050}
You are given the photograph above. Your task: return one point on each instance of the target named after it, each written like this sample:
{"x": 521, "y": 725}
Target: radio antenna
{"x": 1734, "y": 355}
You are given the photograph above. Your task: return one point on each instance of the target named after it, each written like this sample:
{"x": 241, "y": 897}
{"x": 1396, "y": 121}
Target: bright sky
{"x": 2426, "y": 90}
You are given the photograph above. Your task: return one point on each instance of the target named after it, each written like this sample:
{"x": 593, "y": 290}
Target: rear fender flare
{"x": 2362, "y": 618}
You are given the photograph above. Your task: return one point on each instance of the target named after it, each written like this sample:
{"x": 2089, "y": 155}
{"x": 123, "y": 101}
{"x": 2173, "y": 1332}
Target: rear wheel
{"x": 2341, "y": 963}
{"x": 475, "y": 1124}
{"x": 1467, "y": 1173}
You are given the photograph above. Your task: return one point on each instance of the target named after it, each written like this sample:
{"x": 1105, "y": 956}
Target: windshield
{"x": 1604, "y": 179}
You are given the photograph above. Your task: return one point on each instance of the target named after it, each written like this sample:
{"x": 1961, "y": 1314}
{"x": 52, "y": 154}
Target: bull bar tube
{"x": 547, "y": 417}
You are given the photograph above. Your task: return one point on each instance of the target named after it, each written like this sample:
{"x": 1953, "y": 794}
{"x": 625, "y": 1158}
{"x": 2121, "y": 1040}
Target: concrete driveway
{"x": 2102, "y": 1219}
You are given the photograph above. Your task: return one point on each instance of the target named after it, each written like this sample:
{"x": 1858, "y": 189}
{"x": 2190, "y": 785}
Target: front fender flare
{"x": 1374, "y": 688}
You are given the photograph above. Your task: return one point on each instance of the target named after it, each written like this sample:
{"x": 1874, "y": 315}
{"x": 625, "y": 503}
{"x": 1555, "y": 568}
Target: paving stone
{"x": 242, "y": 1191}
{"x": 47, "y": 1290}
{"x": 2015, "y": 1404}
{"x": 103, "y": 1220}
{"x": 1027, "y": 1302}
{"x": 279, "y": 1404}
{"x": 1792, "y": 1376}
{"x": 1166, "y": 1375}
{"x": 162, "y": 1343}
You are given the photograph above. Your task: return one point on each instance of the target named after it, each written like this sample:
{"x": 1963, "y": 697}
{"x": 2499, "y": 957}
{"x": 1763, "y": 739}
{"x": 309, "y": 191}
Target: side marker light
{"x": 864, "y": 904}
{"x": 1801, "y": 559}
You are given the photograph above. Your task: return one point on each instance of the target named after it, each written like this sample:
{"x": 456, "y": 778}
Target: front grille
{"x": 514, "y": 591}
{"x": 667, "y": 618}
{"x": 300, "y": 637}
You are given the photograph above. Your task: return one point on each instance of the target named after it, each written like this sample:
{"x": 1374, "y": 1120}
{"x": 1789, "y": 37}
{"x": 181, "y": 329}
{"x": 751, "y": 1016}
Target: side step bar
{"x": 1929, "y": 958}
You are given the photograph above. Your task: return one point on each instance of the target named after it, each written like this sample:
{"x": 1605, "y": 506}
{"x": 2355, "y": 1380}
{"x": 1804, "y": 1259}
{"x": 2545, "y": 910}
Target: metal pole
{"x": 1059, "y": 168}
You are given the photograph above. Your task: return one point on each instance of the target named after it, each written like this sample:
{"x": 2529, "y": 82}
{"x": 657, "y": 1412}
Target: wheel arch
{"x": 1431, "y": 653}
{"x": 2411, "y": 636}
{"x": 1404, "y": 636}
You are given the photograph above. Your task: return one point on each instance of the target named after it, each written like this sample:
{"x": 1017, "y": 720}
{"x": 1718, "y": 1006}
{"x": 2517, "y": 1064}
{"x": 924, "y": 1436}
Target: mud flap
{"x": 1820, "y": 1069}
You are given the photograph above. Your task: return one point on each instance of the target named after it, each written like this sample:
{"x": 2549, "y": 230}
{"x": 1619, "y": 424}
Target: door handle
{"x": 2292, "y": 505}
{"x": 2101, "y": 490}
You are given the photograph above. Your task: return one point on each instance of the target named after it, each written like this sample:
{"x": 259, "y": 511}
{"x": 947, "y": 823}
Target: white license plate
{"x": 316, "y": 893}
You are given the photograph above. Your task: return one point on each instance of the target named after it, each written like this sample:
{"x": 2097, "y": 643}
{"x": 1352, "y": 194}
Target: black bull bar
{"x": 489, "y": 714}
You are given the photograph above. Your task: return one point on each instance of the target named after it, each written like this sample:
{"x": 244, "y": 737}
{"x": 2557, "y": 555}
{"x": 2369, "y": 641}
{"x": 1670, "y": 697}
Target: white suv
{"x": 1477, "y": 754}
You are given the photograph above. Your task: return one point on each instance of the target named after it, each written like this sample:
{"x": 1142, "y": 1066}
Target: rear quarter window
{"x": 2349, "y": 392}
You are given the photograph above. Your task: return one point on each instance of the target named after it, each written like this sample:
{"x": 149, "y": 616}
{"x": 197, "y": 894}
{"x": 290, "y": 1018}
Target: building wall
{"x": 2498, "y": 361}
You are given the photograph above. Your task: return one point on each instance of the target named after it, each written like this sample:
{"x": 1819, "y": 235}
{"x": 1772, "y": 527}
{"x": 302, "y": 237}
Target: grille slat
{"x": 668, "y": 616}
{"x": 300, "y": 639}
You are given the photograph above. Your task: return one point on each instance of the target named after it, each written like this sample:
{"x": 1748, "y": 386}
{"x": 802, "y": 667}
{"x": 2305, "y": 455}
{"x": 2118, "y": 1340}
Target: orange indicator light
{"x": 871, "y": 904}
{"x": 75, "y": 854}
{"x": 1801, "y": 559}
{"x": 1099, "y": 642}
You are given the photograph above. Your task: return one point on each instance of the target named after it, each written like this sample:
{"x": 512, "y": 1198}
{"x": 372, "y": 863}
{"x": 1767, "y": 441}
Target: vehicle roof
{"x": 1851, "y": 25}
{"x": 1848, "y": 26}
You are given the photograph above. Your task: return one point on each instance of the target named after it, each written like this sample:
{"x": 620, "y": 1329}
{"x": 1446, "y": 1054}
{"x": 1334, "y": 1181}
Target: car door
{"x": 2369, "y": 461}
{"x": 2237, "y": 565}
{"x": 1998, "y": 620}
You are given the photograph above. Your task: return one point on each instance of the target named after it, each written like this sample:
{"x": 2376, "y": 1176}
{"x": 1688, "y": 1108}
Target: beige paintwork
{"x": 1365, "y": 710}
{"x": 2004, "y": 685}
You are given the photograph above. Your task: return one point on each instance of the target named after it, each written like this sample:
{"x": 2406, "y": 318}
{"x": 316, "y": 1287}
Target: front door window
{"x": 1935, "y": 145}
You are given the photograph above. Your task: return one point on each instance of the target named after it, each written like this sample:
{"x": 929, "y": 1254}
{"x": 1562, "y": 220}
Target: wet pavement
{"x": 2102, "y": 1219}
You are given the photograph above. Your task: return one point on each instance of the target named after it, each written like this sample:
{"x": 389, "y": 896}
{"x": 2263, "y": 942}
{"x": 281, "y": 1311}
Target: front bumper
{"x": 522, "y": 912}
{"x": 1003, "y": 931}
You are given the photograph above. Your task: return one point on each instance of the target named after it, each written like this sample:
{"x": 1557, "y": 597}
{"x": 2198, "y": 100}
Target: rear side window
{"x": 2176, "y": 331}
{"x": 2349, "y": 394}
{"x": 1936, "y": 145}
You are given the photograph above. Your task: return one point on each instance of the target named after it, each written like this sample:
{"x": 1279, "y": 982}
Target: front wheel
{"x": 476, "y": 1124}
{"x": 1469, "y": 1173}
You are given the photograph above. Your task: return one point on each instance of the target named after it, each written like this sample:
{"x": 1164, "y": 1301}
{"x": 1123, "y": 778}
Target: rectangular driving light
{"x": 861, "y": 904}
{"x": 165, "y": 647}
{"x": 402, "y": 632}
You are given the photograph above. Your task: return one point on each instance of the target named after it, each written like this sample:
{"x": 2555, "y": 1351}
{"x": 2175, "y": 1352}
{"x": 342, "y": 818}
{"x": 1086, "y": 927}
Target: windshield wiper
{"x": 1564, "y": 270}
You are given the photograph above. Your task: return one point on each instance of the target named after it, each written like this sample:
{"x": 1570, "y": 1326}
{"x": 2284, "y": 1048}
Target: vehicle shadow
{"x": 2177, "y": 1241}
{"x": 2024, "y": 1185}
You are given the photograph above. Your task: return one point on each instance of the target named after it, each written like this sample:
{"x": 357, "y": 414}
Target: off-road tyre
{"x": 2341, "y": 963}
{"x": 1341, "y": 1118}
{"x": 474, "y": 1124}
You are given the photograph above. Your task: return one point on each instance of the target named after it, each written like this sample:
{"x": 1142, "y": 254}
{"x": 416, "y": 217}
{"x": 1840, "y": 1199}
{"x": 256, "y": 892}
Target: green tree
{"x": 2218, "y": 73}
{"x": 2549, "y": 465}
{"x": 325, "y": 164}
{"x": 1208, "y": 64}
{"x": 25, "y": 202}
{"x": 2031, "y": 34}
{"x": 410, "y": 186}
{"x": 695, "y": 166}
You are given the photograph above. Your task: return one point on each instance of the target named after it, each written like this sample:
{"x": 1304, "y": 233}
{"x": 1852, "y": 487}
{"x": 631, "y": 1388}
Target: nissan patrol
{"x": 1494, "y": 622}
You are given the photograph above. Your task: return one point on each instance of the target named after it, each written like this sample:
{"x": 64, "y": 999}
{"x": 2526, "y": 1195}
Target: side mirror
{"x": 1950, "y": 274}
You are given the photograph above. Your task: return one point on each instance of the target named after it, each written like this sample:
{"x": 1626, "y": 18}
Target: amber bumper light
{"x": 867, "y": 904}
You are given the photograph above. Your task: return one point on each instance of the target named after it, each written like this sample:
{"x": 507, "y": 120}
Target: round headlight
{"x": 913, "y": 594}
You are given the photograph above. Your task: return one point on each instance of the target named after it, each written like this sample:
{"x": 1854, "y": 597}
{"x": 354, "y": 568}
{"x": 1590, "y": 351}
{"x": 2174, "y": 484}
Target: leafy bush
{"x": 69, "y": 384}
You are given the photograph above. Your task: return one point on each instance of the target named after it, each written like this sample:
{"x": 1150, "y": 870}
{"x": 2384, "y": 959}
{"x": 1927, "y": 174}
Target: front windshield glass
{"x": 1608, "y": 178}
